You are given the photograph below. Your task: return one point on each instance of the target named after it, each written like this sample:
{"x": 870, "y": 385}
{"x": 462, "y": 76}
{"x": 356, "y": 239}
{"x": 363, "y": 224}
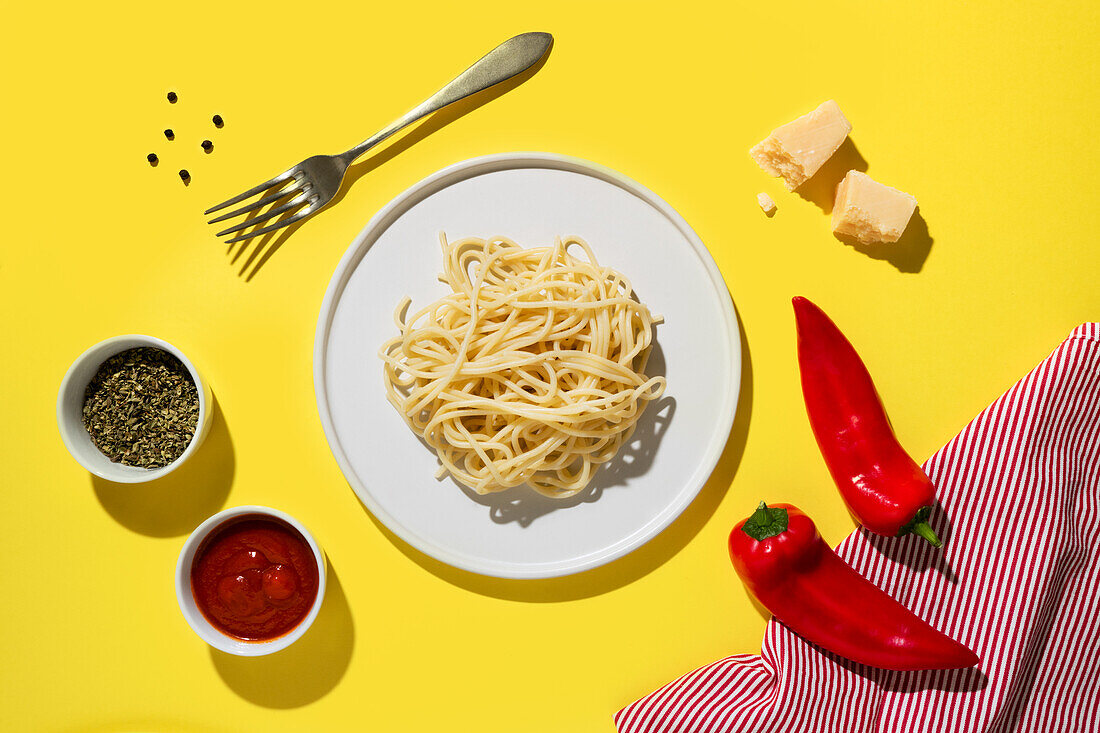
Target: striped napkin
{"x": 1018, "y": 582}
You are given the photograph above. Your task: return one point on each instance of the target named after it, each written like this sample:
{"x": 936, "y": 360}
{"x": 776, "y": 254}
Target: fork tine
{"x": 260, "y": 203}
{"x": 252, "y": 191}
{"x": 285, "y": 222}
{"x": 293, "y": 203}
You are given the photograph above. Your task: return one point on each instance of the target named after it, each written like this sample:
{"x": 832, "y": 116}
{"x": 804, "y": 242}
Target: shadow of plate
{"x": 632, "y": 566}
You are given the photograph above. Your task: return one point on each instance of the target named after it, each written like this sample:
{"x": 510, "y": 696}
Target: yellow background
{"x": 985, "y": 111}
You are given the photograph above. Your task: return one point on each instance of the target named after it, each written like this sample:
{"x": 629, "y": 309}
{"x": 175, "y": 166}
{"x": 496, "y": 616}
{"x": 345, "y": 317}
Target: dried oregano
{"x": 141, "y": 408}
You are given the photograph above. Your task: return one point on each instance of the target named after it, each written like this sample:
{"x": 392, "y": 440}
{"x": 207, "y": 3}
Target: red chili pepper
{"x": 784, "y": 562}
{"x": 884, "y": 488}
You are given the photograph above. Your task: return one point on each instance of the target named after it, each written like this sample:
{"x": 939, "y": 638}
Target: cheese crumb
{"x": 870, "y": 212}
{"x": 799, "y": 148}
{"x": 767, "y": 205}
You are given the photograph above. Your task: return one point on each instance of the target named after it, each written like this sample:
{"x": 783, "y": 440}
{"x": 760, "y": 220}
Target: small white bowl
{"x": 70, "y": 405}
{"x": 186, "y": 599}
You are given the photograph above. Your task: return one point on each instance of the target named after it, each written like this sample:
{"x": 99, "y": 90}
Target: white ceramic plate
{"x": 531, "y": 198}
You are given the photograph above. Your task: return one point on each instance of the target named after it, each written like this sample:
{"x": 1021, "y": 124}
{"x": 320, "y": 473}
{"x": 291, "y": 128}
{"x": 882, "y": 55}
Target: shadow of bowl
{"x": 177, "y": 503}
{"x": 305, "y": 671}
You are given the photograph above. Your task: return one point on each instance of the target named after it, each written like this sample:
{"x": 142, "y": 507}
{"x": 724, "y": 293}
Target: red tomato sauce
{"x": 254, "y": 578}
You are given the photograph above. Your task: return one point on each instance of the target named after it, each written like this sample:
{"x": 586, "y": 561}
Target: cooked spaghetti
{"x": 532, "y": 370}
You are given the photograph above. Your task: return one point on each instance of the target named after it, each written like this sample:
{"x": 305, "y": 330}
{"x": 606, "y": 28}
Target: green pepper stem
{"x": 765, "y": 522}
{"x": 925, "y": 531}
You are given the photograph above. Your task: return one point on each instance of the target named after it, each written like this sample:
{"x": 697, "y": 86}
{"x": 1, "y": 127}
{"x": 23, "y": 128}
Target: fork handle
{"x": 514, "y": 56}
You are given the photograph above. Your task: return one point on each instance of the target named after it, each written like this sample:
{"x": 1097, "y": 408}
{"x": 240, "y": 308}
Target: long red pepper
{"x": 884, "y": 488}
{"x": 783, "y": 561}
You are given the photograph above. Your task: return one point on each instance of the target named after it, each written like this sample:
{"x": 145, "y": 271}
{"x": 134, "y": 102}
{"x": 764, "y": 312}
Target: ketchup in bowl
{"x": 254, "y": 578}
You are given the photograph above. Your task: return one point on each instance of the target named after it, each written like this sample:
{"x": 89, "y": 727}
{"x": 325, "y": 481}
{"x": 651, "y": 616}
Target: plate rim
{"x": 427, "y": 186}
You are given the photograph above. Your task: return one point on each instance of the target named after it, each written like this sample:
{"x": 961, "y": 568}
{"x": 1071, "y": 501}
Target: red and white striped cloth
{"x": 1018, "y": 582}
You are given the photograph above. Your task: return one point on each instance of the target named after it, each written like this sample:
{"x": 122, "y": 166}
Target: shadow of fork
{"x": 268, "y": 244}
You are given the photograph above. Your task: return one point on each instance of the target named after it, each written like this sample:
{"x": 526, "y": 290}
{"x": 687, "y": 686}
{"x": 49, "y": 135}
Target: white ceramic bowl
{"x": 70, "y": 403}
{"x": 206, "y": 631}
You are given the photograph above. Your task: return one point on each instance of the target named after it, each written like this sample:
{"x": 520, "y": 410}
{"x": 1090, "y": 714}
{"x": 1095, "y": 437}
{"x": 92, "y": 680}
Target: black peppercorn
{"x": 172, "y": 97}
{"x": 218, "y": 121}
{"x": 184, "y": 175}
{"x": 152, "y": 158}
{"x": 207, "y": 146}
{"x": 169, "y": 134}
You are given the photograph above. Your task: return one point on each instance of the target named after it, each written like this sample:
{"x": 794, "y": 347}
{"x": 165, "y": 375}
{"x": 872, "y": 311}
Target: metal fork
{"x": 315, "y": 181}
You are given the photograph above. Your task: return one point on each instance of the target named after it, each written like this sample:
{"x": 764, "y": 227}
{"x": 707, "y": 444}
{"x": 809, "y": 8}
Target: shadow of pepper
{"x": 916, "y": 553}
{"x": 970, "y": 679}
{"x": 910, "y": 551}
{"x": 305, "y": 671}
{"x": 632, "y": 566}
{"x": 267, "y": 246}
{"x": 177, "y": 503}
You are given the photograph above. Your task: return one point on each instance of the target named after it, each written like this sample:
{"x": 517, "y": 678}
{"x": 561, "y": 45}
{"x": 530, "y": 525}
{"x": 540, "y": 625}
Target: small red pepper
{"x": 884, "y": 488}
{"x": 783, "y": 561}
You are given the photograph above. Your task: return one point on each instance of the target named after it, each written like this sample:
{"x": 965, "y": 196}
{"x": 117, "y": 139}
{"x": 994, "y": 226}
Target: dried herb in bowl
{"x": 141, "y": 408}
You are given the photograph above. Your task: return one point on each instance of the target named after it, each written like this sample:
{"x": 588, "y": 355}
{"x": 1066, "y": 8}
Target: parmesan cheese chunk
{"x": 870, "y": 212}
{"x": 767, "y": 205}
{"x": 799, "y": 148}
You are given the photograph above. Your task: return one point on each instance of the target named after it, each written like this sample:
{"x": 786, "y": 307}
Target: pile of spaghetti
{"x": 532, "y": 370}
